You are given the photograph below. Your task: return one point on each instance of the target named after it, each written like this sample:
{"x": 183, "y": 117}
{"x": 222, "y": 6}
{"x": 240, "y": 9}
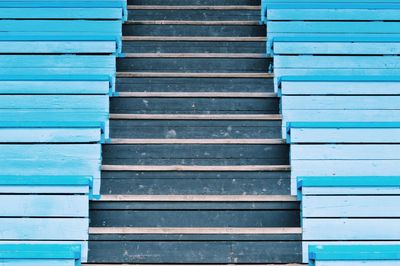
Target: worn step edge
{"x": 192, "y": 7}
{"x": 196, "y": 141}
{"x": 191, "y": 75}
{"x": 200, "y": 198}
{"x": 194, "y": 117}
{"x": 197, "y": 95}
{"x": 194, "y": 55}
{"x": 194, "y": 38}
{"x": 195, "y": 22}
{"x": 194, "y": 230}
{"x": 196, "y": 168}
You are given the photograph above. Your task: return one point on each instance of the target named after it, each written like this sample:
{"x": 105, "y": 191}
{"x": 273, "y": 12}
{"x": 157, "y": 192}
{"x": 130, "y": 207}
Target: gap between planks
{"x": 200, "y": 198}
{"x": 191, "y": 7}
{"x": 195, "y": 22}
{"x": 196, "y": 168}
{"x": 194, "y": 55}
{"x": 196, "y": 141}
{"x": 196, "y": 231}
{"x": 197, "y": 94}
{"x": 194, "y": 38}
{"x": 194, "y": 117}
{"x": 191, "y": 75}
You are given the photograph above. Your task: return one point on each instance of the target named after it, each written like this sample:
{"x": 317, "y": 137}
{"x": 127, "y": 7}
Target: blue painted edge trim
{"x": 341, "y": 78}
{"x": 332, "y": 5}
{"x": 354, "y": 252}
{"x": 46, "y": 181}
{"x": 55, "y": 78}
{"x": 384, "y": 39}
{"x": 348, "y": 181}
{"x": 57, "y": 37}
{"x": 40, "y": 251}
{"x": 343, "y": 125}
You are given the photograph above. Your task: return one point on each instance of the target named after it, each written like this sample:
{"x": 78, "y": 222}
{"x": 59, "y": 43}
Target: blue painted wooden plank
{"x": 344, "y": 135}
{"x": 98, "y": 103}
{"x": 38, "y": 262}
{"x": 349, "y": 181}
{"x": 344, "y": 152}
{"x": 65, "y": 47}
{"x": 378, "y": 190}
{"x": 345, "y": 253}
{"x": 25, "y": 12}
{"x": 340, "y": 87}
{"x": 53, "y": 87}
{"x": 50, "y": 135}
{"x": 44, "y": 228}
{"x": 306, "y": 244}
{"x": 44, "y": 206}
{"x": 40, "y": 251}
{"x": 351, "y": 229}
{"x": 369, "y": 206}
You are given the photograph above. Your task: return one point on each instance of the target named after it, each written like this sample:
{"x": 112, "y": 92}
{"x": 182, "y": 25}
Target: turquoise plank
{"x": 24, "y": 12}
{"x": 345, "y": 243}
{"x": 349, "y": 181}
{"x": 44, "y": 206}
{"x": 351, "y": 229}
{"x": 344, "y": 152}
{"x": 340, "y": 88}
{"x": 38, "y": 262}
{"x": 40, "y": 251}
{"x": 345, "y": 253}
{"x": 341, "y": 115}
{"x": 369, "y": 206}
{"x": 44, "y": 228}
{"x": 378, "y": 190}
{"x": 50, "y": 135}
{"x": 64, "y": 47}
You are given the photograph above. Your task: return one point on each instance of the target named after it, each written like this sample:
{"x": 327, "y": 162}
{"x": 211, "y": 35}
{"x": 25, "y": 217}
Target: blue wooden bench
{"x": 335, "y": 255}
{"x": 344, "y": 149}
{"x": 330, "y": 18}
{"x": 80, "y": 26}
{"x": 349, "y": 210}
{"x": 44, "y": 208}
{"x": 339, "y": 99}
{"x": 40, "y": 255}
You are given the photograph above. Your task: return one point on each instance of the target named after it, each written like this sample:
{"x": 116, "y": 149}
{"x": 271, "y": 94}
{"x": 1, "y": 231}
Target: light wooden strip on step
{"x": 191, "y": 75}
{"x": 195, "y": 231}
{"x": 200, "y": 198}
{"x": 188, "y": 7}
{"x": 197, "y": 94}
{"x": 195, "y": 22}
{"x": 194, "y": 55}
{"x": 197, "y": 141}
{"x": 194, "y": 117}
{"x": 196, "y": 168}
{"x": 194, "y": 38}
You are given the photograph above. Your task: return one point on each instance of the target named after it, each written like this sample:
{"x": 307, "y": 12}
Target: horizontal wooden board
{"x": 37, "y": 262}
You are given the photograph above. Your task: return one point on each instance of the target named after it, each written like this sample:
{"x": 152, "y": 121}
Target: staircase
{"x": 196, "y": 172}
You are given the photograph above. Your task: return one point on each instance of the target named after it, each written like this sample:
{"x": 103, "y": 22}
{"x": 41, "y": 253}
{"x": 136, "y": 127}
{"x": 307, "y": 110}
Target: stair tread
{"x": 198, "y": 94}
{"x": 194, "y": 38}
{"x": 194, "y": 75}
{"x": 192, "y": 7}
{"x": 194, "y": 55}
{"x": 194, "y": 117}
{"x": 200, "y": 198}
{"x": 194, "y": 22}
{"x": 196, "y": 168}
{"x": 195, "y": 141}
{"x": 194, "y": 230}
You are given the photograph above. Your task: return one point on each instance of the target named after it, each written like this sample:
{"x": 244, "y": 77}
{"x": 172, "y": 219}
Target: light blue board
{"x": 358, "y": 243}
{"x": 340, "y": 88}
{"x": 358, "y": 263}
{"x": 50, "y": 135}
{"x": 44, "y": 228}
{"x": 44, "y": 206}
{"x": 350, "y": 206}
{"x": 29, "y": 189}
{"x": 62, "y": 47}
{"x": 351, "y": 229}
{"x": 351, "y": 191}
{"x": 37, "y": 262}
{"x": 54, "y": 87}
{"x": 345, "y": 152}
{"x": 345, "y": 135}
{"x": 342, "y": 168}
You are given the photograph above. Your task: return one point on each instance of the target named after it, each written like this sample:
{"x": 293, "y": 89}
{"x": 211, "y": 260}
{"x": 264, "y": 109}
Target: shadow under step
{"x": 194, "y": 28}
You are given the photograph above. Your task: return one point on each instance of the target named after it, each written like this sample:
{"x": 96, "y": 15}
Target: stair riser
{"x": 195, "y": 183}
{"x": 194, "y": 2}
{"x": 189, "y": 154}
{"x": 195, "y": 30}
{"x": 192, "y": 47}
{"x": 194, "y": 129}
{"x": 197, "y": 65}
{"x": 124, "y": 105}
{"x": 195, "y": 85}
{"x": 224, "y": 252}
{"x": 198, "y": 15}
